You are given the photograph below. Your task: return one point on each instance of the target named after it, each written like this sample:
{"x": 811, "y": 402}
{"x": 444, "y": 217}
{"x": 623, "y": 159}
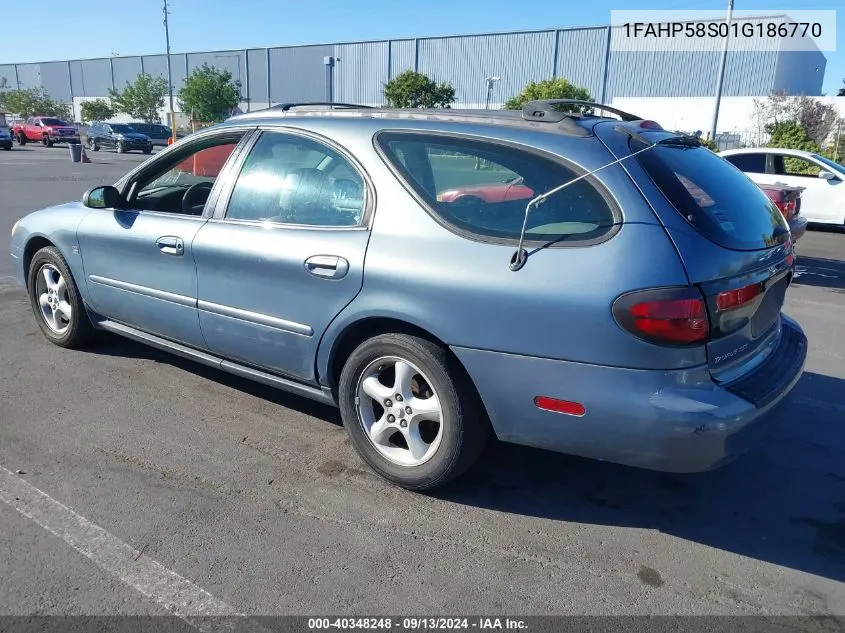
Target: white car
{"x": 823, "y": 199}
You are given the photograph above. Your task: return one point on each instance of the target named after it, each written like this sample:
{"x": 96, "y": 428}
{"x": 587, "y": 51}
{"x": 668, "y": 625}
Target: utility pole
{"x": 721, "y": 77}
{"x": 169, "y": 77}
{"x": 838, "y": 137}
{"x": 490, "y": 82}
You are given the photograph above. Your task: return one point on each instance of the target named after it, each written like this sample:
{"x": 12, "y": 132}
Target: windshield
{"x": 53, "y": 122}
{"x": 836, "y": 167}
{"x": 120, "y": 127}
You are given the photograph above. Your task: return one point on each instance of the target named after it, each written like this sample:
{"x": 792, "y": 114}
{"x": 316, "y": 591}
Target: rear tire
{"x": 93, "y": 145}
{"x": 56, "y": 301}
{"x": 121, "y": 148}
{"x": 398, "y": 435}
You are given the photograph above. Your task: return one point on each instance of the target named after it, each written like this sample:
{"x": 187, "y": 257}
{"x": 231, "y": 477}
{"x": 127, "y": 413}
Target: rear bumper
{"x": 676, "y": 421}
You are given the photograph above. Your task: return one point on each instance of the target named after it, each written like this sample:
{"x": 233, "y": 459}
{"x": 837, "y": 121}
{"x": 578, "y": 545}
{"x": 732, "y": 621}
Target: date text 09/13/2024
{"x": 418, "y": 623}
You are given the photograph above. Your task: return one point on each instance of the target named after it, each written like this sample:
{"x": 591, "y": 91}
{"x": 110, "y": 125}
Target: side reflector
{"x": 559, "y": 406}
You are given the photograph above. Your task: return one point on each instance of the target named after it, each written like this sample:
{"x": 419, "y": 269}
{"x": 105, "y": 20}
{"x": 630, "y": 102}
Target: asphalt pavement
{"x": 145, "y": 479}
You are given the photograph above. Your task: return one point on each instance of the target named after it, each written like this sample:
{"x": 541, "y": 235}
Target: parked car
{"x": 628, "y": 312}
{"x": 788, "y": 201}
{"x": 822, "y": 178}
{"x": 159, "y": 134}
{"x": 120, "y": 136}
{"x": 5, "y": 139}
{"x": 46, "y": 130}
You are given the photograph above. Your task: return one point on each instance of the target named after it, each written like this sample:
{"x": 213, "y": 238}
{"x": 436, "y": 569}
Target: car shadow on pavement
{"x": 112, "y": 345}
{"x": 818, "y": 272}
{"x": 783, "y": 502}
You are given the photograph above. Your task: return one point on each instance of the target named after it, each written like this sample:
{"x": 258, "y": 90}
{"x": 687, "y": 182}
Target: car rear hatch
{"x": 733, "y": 241}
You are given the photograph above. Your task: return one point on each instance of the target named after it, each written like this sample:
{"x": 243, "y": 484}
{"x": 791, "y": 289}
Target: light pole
{"x": 721, "y": 78}
{"x": 838, "y": 138}
{"x": 490, "y": 82}
{"x": 169, "y": 77}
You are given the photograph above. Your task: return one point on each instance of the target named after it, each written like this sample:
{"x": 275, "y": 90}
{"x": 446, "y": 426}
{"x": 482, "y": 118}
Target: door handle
{"x": 327, "y": 266}
{"x": 171, "y": 245}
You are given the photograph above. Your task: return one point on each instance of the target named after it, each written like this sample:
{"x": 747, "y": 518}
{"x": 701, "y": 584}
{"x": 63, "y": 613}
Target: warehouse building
{"x": 357, "y": 71}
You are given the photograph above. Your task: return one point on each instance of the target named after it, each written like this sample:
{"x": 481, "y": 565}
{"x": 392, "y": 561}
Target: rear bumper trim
{"x": 763, "y": 385}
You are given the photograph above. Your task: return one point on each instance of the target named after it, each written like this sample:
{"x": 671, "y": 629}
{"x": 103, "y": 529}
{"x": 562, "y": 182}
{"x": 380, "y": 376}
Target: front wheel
{"x": 121, "y": 148}
{"x": 410, "y": 411}
{"x": 21, "y": 139}
{"x": 56, "y": 301}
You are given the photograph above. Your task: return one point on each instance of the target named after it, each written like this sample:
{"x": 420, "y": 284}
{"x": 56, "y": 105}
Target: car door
{"x": 107, "y": 139}
{"x": 283, "y": 254}
{"x": 138, "y": 258}
{"x": 822, "y": 199}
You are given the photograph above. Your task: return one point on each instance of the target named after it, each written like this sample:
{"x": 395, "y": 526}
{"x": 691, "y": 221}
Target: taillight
{"x": 732, "y": 299}
{"x": 668, "y": 316}
{"x": 786, "y": 207}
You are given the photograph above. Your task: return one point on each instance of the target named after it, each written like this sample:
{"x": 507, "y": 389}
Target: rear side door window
{"x": 749, "y": 163}
{"x": 481, "y": 188}
{"x": 289, "y": 179}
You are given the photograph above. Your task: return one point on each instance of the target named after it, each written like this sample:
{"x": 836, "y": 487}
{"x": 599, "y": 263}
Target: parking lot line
{"x": 133, "y": 567}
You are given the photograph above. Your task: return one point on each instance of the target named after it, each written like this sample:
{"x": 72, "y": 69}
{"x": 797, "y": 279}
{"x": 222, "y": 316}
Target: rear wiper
{"x": 519, "y": 257}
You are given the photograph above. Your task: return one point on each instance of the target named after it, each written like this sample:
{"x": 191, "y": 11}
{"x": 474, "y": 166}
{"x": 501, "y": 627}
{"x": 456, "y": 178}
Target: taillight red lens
{"x": 732, "y": 299}
{"x": 665, "y": 316}
{"x": 673, "y": 320}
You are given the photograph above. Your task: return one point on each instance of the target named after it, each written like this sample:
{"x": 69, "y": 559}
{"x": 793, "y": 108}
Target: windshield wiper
{"x": 520, "y": 256}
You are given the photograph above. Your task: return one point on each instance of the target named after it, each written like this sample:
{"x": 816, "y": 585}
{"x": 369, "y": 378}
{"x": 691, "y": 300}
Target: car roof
{"x": 536, "y": 115}
{"x": 767, "y": 150}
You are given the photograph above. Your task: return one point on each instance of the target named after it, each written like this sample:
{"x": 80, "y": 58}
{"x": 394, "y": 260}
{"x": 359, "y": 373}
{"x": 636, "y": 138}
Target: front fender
{"x": 58, "y": 225}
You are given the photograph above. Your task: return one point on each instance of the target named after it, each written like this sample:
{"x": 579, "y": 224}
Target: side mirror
{"x": 105, "y": 197}
{"x": 827, "y": 175}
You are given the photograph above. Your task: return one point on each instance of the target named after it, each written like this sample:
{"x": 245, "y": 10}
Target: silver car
{"x": 588, "y": 284}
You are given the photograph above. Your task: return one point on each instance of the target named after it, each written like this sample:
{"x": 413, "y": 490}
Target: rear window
{"x": 752, "y": 163}
{"x": 481, "y": 189}
{"x": 714, "y": 197}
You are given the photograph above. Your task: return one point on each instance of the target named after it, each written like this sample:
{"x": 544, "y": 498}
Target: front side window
{"x": 183, "y": 182}
{"x": 296, "y": 180}
{"x": 482, "y": 188}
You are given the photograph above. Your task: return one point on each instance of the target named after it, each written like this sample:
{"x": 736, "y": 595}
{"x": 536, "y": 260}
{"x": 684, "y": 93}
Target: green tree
{"x": 558, "y": 88}
{"x": 792, "y": 135}
{"x": 34, "y": 102}
{"x": 415, "y": 90}
{"x": 210, "y": 94}
{"x": 96, "y": 110}
{"x": 141, "y": 99}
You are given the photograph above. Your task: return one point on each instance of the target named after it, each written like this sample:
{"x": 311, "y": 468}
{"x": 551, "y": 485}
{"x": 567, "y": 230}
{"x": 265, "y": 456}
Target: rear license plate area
{"x": 769, "y": 309}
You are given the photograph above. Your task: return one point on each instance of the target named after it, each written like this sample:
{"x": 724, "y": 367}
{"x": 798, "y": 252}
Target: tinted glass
{"x": 719, "y": 201}
{"x": 483, "y": 188}
{"x": 121, "y": 128}
{"x": 53, "y": 122}
{"x": 752, "y": 163}
{"x": 786, "y": 165}
{"x": 294, "y": 180}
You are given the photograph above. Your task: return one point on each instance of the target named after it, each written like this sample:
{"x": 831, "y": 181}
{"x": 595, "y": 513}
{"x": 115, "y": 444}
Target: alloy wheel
{"x": 399, "y": 411}
{"x": 51, "y": 290}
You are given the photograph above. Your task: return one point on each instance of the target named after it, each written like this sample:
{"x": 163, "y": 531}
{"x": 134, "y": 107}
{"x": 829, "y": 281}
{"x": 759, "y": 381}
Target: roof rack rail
{"x": 285, "y": 107}
{"x": 545, "y": 110}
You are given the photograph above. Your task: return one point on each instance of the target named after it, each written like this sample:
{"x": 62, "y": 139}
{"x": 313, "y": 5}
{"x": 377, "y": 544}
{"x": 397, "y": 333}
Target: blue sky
{"x": 197, "y": 25}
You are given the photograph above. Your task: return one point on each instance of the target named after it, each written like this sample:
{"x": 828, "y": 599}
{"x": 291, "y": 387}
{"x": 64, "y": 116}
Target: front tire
{"x": 56, "y": 301}
{"x": 121, "y": 148}
{"x": 21, "y": 138}
{"x": 410, "y": 411}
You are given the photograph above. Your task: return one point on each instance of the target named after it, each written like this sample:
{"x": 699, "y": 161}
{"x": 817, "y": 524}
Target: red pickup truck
{"x": 46, "y": 130}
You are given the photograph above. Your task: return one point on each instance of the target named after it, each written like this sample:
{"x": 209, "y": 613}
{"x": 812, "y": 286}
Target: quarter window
{"x": 482, "y": 188}
{"x": 296, "y": 180}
